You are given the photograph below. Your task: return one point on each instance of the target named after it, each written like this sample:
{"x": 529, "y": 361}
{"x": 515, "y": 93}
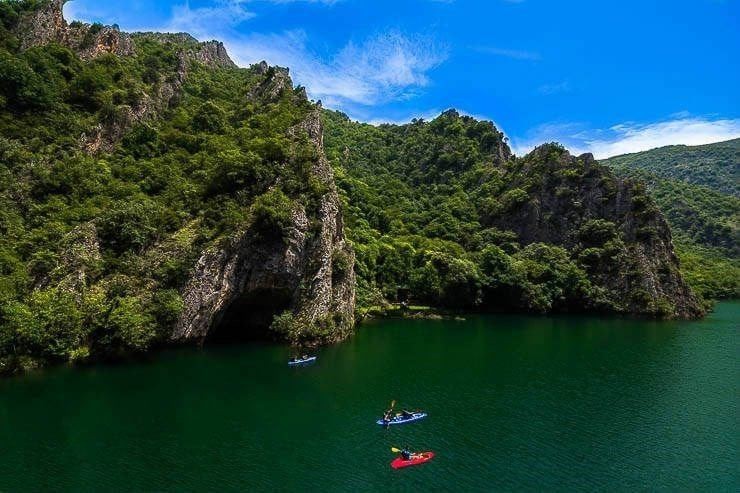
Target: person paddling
{"x": 406, "y": 453}
{"x": 388, "y": 414}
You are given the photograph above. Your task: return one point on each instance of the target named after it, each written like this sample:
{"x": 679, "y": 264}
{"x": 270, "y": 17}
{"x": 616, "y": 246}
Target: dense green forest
{"x": 443, "y": 210}
{"x": 222, "y": 158}
{"x": 698, "y": 190}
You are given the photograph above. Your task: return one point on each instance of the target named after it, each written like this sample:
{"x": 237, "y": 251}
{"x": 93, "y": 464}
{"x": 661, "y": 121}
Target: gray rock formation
{"x": 642, "y": 275}
{"x": 44, "y": 26}
{"x": 248, "y": 279}
{"x": 47, "y": 25}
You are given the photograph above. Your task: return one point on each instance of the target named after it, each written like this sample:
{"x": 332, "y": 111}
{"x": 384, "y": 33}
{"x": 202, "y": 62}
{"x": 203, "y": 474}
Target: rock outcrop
{"x": 43, "y": 26}
{"x": 640, "y": 271}
{"x": 248, "y": 279}
{"x": 212, "y": 54}
{"x": 47, "y": 25}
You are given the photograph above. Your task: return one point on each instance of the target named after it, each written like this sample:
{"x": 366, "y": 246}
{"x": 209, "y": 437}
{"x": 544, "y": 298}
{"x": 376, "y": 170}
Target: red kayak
{"x": 419, "y": 458}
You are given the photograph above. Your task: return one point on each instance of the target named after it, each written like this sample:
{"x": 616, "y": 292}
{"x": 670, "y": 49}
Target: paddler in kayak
{"x": 409, "y": 455}
{"x": 388, "y": 414}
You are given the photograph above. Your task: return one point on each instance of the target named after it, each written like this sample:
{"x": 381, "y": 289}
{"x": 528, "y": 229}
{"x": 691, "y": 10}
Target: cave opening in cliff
{"x": 248, "y": 317}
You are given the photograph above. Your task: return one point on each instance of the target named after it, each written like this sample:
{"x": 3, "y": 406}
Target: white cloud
{"x": 688, "y": 131}
{"x": 630, "y": 136}
{"x": 382, "y": 68}
{"x": 202, "y": 21}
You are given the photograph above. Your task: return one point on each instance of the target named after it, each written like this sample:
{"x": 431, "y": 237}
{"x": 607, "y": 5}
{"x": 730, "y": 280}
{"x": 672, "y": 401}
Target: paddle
{"x": 395, "y": 450}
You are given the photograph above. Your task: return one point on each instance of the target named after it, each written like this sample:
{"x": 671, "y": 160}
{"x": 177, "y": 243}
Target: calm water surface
{"x": 514, "y": 403}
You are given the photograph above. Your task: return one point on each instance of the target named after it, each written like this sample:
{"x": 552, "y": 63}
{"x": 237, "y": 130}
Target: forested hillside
{"x": 124, "y": 167}
{"x": 714, "y": 166}
{"x": 698, "y": 190}
{"x": 443, "y": 209}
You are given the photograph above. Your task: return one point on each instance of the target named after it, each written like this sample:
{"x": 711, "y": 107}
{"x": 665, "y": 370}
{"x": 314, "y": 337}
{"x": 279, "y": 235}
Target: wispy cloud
{"x": 223, "y": 14}
{"x": 509, "y": 53}
{"x": 631, "y": 137}
{"x": 200, "y": 22}
{"x": 381, "y": 68}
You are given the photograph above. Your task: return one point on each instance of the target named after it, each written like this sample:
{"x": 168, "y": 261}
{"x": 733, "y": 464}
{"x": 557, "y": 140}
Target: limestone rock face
{"x": 44, "y": 26}
{"x": 642, "y": 276}
{"x": 308, "y": 274}
{"x": 47, "y": 25}
{"x": 213, "y": 54}
{"x": 275, "y": 82}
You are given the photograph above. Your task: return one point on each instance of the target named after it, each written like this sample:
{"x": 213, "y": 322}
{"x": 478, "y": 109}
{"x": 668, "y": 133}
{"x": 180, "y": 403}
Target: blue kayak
{"x": 400, "y": 419}
{"x": 295, "y": 362}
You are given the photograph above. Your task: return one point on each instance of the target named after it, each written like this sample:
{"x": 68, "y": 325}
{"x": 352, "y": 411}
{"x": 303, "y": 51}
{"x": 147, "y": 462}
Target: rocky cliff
{"x": 308, "y": 276}
{"x": 611, "y": 224}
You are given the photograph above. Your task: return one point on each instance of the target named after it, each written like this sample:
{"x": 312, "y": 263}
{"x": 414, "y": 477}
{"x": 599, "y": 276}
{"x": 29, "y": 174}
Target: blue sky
{"x": 603, "y": 76}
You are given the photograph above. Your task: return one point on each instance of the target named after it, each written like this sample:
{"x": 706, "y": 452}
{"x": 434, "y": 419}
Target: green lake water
{"x": 514, "y": 403}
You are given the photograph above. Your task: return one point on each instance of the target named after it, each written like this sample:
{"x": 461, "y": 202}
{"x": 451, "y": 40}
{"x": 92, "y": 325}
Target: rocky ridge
{"x": 89, "y": 41}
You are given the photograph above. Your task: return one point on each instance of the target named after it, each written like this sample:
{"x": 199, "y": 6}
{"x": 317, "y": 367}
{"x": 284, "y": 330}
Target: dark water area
{"x": 514, "y": 403}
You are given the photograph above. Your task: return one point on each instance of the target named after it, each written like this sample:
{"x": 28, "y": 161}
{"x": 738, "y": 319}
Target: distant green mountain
{"x": 698, "y": 190}
{"x": 714, "y": 166}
